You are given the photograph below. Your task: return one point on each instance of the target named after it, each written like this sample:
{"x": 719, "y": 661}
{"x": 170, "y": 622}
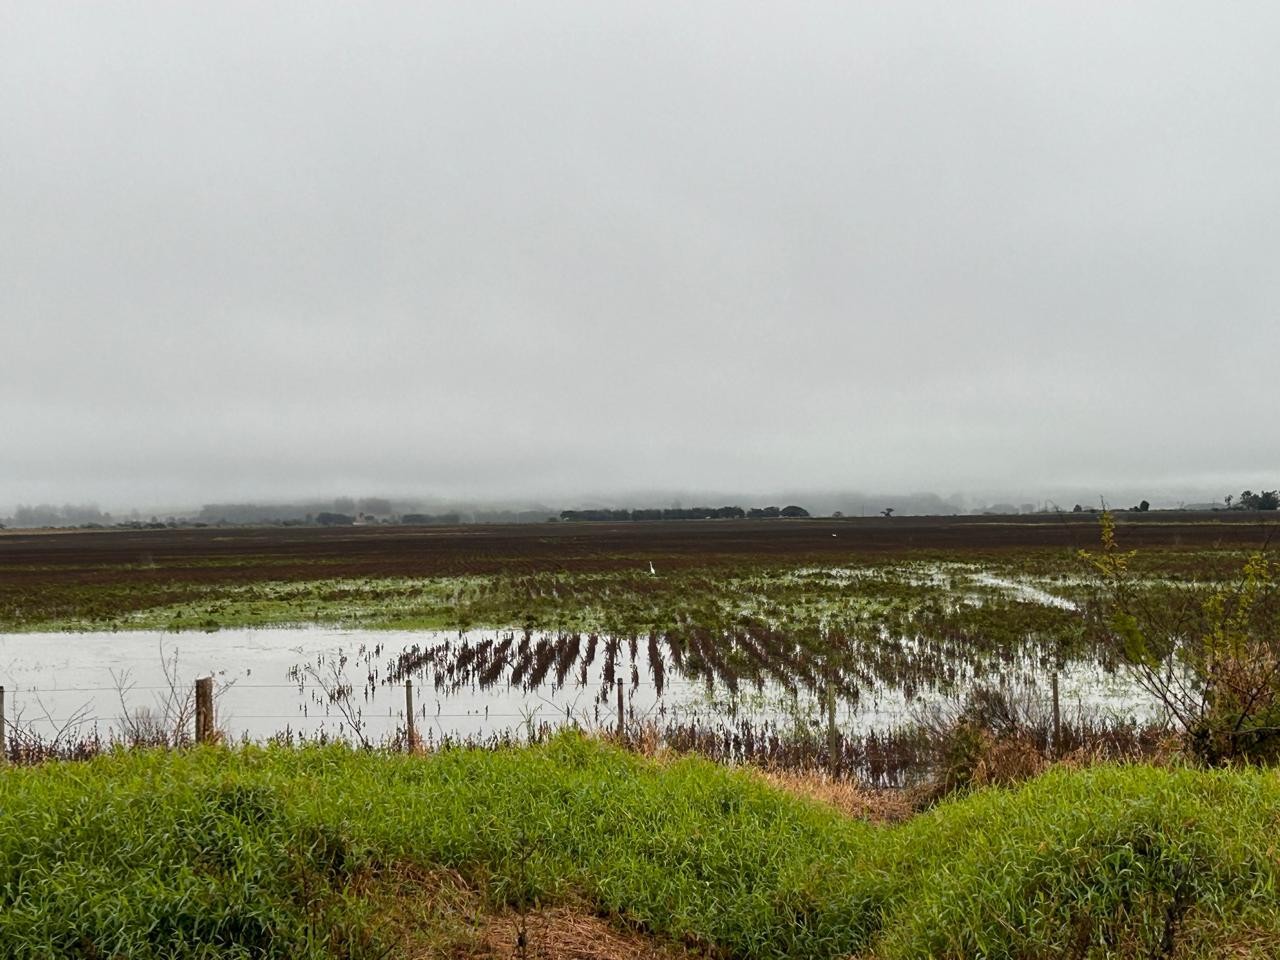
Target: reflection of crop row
{"x": 913, "y": 654}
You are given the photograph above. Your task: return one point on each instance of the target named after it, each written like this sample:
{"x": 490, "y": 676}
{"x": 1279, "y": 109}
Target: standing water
{"x": 316, "y": 681}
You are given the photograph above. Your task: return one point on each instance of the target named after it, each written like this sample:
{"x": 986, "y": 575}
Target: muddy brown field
{"x": 239, "y": 554}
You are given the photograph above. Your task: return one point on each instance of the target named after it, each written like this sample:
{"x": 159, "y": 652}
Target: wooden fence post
{"x": 4, "y": 741}
{"x": 622, "y": 724}
{"x": 1057, "y": 717}
{"x": 833, "y": 732}
{"x": 411, "y": 729}
{"x": 204, "y": 710}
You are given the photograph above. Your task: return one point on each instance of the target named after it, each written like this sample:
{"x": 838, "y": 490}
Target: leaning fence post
{"x": 204, "y": 710}
{"x": 622, "y": 727}
{"x": 411, "y": 730}
{"x": 4, "y": 742}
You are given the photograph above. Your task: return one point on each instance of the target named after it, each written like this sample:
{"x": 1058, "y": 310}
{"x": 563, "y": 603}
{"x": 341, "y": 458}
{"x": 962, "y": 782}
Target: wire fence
{"x": 432, "y": 698}
{"x": 846, "y": 738}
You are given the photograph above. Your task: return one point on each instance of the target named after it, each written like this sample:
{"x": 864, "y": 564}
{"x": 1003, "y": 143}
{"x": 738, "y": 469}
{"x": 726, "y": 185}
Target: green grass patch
{"x": 269, "y": 852}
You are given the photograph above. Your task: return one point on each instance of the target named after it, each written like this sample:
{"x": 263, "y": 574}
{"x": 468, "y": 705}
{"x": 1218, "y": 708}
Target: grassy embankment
{"x": 331, "y": 852}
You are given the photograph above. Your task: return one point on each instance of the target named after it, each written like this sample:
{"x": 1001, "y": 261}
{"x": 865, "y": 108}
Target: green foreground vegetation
{"x": 275, "y": 852}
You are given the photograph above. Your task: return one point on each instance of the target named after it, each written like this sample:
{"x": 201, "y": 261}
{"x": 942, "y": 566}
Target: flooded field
{"x": 834, "y": 642}
{"x": 351, "y": 684}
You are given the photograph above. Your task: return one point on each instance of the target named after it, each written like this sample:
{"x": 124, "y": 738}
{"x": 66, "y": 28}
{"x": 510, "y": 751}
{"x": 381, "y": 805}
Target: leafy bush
{"x": 1211, "y": 657}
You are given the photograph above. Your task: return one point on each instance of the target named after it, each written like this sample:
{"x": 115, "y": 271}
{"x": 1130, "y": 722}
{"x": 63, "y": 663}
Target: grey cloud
{"x": 542, "y": 249}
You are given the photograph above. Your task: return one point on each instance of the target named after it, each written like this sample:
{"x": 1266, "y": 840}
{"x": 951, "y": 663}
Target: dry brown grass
{"x": 850, "y": 798}
{"x": 1169, "y": 751}
{"x": 1008, "y": 760}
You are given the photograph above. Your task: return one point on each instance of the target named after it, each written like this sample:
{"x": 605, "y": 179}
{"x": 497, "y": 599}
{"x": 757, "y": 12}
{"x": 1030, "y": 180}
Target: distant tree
{"x": 1077, "y": 509}
{"x": 837, "y": 514}
{"x": 1229, "y": 497}
{"x": 1266, "y": 500}
{"x": 793, "y": 511}
{"x": 1144, "y": 506}
{"x": 887, "y": 512}
{"x": 326, "y": 519}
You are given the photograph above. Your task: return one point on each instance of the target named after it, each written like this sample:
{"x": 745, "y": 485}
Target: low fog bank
{"x": 343, "y": 510}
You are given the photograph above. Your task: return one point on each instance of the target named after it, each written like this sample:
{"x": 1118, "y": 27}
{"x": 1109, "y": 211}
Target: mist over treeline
{"x": 66, "y": 515}
{"x": 372, "y": 509}
{"x": 324, "y": 512}
{"x": 639, "y": 506}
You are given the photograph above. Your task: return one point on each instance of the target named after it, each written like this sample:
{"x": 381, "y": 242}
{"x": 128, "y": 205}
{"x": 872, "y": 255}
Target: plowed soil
{"x": 240, "y": 554}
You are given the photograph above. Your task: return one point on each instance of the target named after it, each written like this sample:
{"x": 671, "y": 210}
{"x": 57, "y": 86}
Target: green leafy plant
{"x": 1210, "y": 655}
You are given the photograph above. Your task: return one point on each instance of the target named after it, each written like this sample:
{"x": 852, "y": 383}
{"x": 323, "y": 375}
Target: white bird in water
{"x": 652, "y": 572}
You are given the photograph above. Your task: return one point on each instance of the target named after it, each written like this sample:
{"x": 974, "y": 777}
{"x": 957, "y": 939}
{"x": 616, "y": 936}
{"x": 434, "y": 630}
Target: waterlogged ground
{"x": 891, "y": 643}
{"x": 282, "y": 679}
{"x": 585, "y": 577}
{"x": 999, "y": 597}
{"x": 698, "y": 630}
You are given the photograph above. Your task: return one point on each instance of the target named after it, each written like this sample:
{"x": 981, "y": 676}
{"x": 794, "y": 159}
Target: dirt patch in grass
{"x": 437, "y": 914}
{"x": 567, "y": 934}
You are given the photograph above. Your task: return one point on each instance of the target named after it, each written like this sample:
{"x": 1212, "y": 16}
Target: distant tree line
{"x": 1248, "y": 500}
{"x": 348, "y": 511}
{"x": 426, "y": 519}
{"x": 1142, "y": 507}
{"x": 684, "y": 513}
{"x": 67, "y": 515}
{"x": 294, "y": 513}
{"x": 344, "y": 511}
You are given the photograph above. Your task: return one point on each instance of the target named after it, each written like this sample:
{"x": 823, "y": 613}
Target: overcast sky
{"x": 546, "y": 249}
